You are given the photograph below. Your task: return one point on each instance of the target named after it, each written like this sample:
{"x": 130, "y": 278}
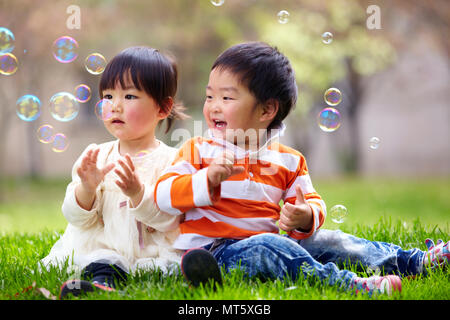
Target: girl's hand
{"x": 129, "y": 181}
{"x": 298, "y": 216}
{"x": 90, "y": 175}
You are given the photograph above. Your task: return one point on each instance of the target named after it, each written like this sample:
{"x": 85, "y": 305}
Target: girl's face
{"x": 230, "y": 109}
{"x": 135, "y": 114}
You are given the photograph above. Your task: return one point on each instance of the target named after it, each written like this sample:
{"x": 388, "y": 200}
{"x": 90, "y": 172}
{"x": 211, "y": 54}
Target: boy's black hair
{"x": 150, "y": 71}
{"x": 265, "y": 71}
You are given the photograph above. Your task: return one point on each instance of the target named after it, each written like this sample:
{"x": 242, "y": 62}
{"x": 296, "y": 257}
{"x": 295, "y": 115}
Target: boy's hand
{"x": 129, "y": 181}
{"x": 90, "y": 175}
{"x": 298, "y": 216}
{"x": 221, "y": 169}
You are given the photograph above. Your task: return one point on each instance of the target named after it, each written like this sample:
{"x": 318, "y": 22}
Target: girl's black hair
{"x": 150, "y": 71}
{"x": 265, "y": 71}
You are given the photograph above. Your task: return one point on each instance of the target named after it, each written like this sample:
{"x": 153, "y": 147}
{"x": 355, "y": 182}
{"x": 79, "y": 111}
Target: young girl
{"x": 114, "y": 226}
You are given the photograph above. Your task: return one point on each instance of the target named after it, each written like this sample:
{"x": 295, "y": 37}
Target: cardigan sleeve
{"x": 148, "y": 213}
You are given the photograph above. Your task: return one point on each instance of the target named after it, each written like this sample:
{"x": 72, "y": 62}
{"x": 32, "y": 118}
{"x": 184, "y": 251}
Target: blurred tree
{"x": 196, "y": 32}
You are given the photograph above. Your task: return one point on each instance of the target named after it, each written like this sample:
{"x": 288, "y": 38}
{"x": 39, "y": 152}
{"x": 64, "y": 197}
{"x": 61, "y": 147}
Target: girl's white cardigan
{"x": 112, "y": 232}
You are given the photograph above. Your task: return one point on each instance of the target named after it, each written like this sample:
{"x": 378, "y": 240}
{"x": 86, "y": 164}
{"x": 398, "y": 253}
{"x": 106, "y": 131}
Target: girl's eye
{"x": 130, "y": 96}
{"x": 107, "y": 96}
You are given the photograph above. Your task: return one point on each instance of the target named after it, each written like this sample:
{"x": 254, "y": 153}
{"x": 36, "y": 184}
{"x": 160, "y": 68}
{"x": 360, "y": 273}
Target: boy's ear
{"x": 166, "y": 108}
{"x": 270, "y": 110}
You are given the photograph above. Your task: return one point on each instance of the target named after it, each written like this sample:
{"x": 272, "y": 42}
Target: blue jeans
{"x": 275, "y": 256}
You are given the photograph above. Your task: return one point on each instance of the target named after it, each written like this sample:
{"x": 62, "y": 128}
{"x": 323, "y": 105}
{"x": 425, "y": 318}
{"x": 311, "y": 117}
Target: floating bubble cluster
{"x": 95, "y": 63}
{"x": 45, "y": 133}
{"x": 103, "y": 109}
{"x": 8, "y": 64}
{"x": 338, "y": 213}
{"x": 64, "y": 106}
{"x": 6, "y": 40}
{"x": 374, "y": 143}
{"x": 327, "y": 37}
{"x": 28, "y": 107}
{"x": 217, "y": 3}
{"x": 82, "y": 93}
{"x": 332, "y": 96}
{"x": 283, "y": 17}
{"x": 65, "y": 49}
{"x": 60, "y": 143}
{"x": 329, "y": 119}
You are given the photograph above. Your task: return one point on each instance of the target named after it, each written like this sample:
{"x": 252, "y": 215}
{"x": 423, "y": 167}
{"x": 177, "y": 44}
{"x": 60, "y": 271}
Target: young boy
{"x": 230, "y": 185}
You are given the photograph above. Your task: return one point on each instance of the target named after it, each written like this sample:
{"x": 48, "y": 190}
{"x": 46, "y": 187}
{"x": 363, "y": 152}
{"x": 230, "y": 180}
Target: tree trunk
{"x": 354, "y": 80}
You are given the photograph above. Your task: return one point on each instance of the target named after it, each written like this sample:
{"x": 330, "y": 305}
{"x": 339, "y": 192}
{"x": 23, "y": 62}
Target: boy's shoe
{"x": 77, "y": 287}
{"x": 437, "y": 255}
{"x": 377, "y": 284}
{"x": 200, "y": 266}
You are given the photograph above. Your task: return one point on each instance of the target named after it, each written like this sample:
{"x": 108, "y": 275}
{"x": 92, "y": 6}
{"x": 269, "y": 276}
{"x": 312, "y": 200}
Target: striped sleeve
{"x": 311, "y": 196}
{"x": 184, "y": 185}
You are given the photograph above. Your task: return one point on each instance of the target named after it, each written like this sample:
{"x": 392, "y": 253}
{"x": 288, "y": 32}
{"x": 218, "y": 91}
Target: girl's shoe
{"x": 200, "y": 266}
{"x": 77, "y": 287}
{"x": 437, "y": 255}
{"x": 377, "y": 284}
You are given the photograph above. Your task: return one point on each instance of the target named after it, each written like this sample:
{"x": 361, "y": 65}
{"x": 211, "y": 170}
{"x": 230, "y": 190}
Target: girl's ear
{"x": 166, "y": 108}
{"x": 270, "y": 110}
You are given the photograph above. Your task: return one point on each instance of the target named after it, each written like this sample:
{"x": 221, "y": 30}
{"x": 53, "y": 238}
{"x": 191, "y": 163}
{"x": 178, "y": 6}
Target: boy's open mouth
{"x": 218, "y": 124}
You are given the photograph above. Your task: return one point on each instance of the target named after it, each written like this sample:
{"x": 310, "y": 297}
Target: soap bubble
{"x": 338, "y": 213}
{"x": 28, "y": 107}
{"x": 64, "y": 106}
{"x": 329, "y": 119}
{"x": 332, "y": 96}
{"x": 217, "y": 3}
{"x": 60, "y": 143}
{"x": 327, "y": 37}
{"x": 6, "y": 40}
{"x": 8, "y": 64}
{"x": 142, "y": 153}
{"x": 45, "y": 133}
{"x": 95, "y": 63}
{"x": 103, "y": 109}
{"x": 283, "y": 17}
{"x": 374, "y": 143}
{"x": 82, "y": 93}
{"x": 65, "y": 49}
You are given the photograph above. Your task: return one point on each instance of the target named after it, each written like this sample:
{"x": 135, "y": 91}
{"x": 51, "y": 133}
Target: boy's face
{"x": 230, "y": 106}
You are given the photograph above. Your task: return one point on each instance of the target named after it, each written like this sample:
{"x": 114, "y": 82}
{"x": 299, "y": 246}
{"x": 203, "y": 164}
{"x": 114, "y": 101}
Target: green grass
{"x": 401, "y": 212}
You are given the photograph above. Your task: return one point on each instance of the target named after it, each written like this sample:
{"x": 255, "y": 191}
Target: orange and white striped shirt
{"x": 245, "y": 204}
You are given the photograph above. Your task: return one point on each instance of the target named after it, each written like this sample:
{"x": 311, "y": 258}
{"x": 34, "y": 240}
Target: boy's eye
{"x": 208, "y": 97}
{"x": 227, "y": 98}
